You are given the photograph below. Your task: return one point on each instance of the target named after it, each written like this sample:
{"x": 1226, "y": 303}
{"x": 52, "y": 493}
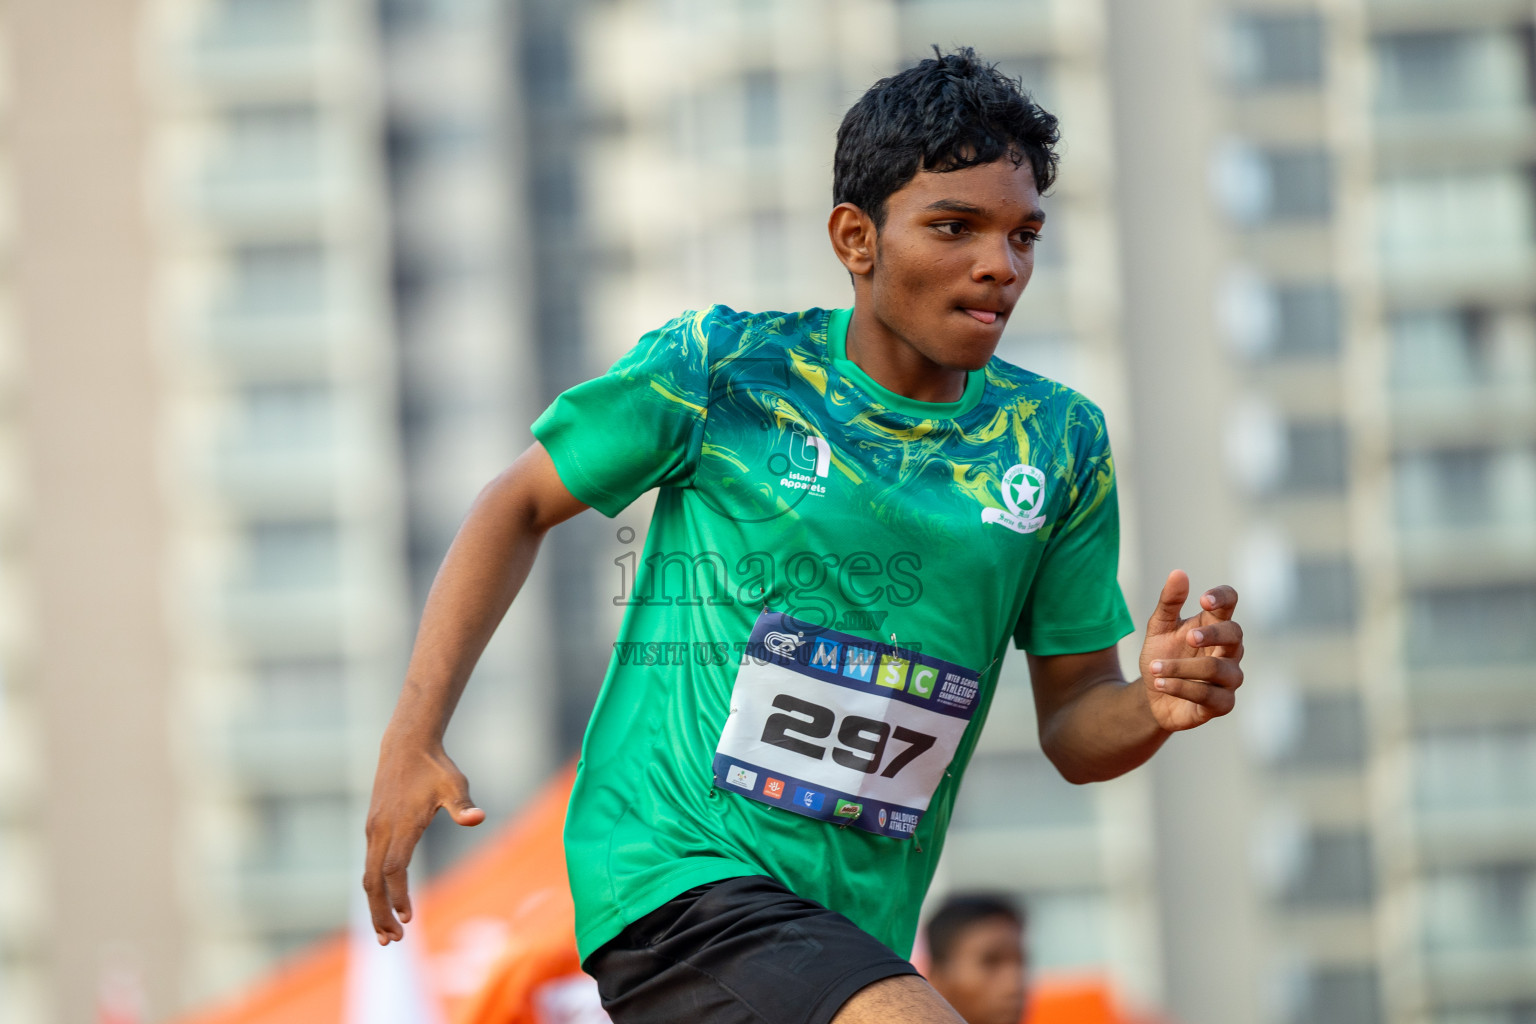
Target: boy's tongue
{"x": 986, "y": 316}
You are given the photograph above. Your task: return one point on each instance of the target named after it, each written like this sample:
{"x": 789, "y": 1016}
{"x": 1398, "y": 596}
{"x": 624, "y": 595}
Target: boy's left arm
{"x": 1094, "y": 725}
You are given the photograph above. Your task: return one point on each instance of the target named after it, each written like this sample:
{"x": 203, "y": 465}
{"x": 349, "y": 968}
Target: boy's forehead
{"x": 997, "y": 187}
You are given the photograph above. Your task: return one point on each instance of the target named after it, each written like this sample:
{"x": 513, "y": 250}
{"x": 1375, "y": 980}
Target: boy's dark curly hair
{"x": 949, "y": 112}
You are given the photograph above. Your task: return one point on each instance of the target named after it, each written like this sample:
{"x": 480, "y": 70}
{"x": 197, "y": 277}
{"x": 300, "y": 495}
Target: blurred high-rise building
{"x": 266, "y": 292}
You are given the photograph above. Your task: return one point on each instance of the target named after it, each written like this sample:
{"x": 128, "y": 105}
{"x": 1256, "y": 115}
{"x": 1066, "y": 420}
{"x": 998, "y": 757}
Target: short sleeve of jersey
{"x": 1074, "y": 603}
{"x": 638, "y": 426}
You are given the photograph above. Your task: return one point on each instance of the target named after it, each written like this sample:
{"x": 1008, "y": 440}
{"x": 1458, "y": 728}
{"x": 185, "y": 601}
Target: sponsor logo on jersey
{"x": 782, "y": 643}
{"x": 1023, "y": 491}
{"x": 774, "y": 788}
{"x": 922, "y": 680}
{"x": 810, "y": 460}
{"x": 809, "y": 798}
{"x": 741, "y": 777}
{"x": 893, "y": 672}
{"x": 859, "y": 663}
{"x": 824, "y": 654}
{"x": 847, "y": 809}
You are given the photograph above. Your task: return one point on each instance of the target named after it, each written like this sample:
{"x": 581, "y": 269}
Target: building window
{"x": 760, "y": 107}
{"x": 1337, "y": 995}
{"x": 294, "y": 554}
{"x": 261, "y": 22}
{"x": 302, "y": 832}
{"x": 1450, "y": 72}
{"x": 1446, "y": 488}
{"x": 1462, "y": 626}
{"x": 1490, "y": 766}
{"x": 1300, "y": 184}
{"x": 1329, "y": 734}
{"x": 1019, "y": 790}
{"x": 1483, "y": 907}
{"x": 1307, "y": 319}
{"x": 277, "y": 278}
{"x": 300, "y": 692}
{"x": 1460, "y": 221}
{"x": 1317, "y": 459}
{"x": 271, "y": 140}
{"x": 1325, "y": 594}
{"x": 1439, "y": 348}
{"x": 1333, "y": 870}
{"x": 1262, "y": 186}
{"x": 286, "y": 414}
{"x": 1276, "y": 50}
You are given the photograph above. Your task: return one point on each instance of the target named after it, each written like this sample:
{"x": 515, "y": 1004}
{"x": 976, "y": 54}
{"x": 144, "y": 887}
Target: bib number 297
{"x": 863, "y": 740}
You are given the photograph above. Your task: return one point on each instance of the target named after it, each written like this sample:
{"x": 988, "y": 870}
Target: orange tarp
{"x": 498, "y": 929}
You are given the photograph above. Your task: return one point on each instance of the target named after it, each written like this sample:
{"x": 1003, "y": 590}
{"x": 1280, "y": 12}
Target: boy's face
{"x": 985, "y": 977}
{"x": 952, "y": 259}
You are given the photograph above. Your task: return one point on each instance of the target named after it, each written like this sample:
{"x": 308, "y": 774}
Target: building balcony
{"x": 1466, "y": 555}
{"x": 264, "y": 480}
{"x": 1496, "y": 137}
{"x": 230, "y": 198}
{"x": 1481, "y": 975}
{"x": 1472, "y": 413}
{"x": 1409, "y": 15}
{"x": 287, "y": 757}
{"x": 1478, "y": 831}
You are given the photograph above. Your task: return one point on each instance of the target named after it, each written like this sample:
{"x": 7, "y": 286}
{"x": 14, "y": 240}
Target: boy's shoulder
{"x": 725, "y": 332}
{"x": 1011, "y": 385}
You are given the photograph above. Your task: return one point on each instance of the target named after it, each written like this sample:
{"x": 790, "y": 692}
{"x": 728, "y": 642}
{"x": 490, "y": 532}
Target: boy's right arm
{"x": 482, "y": 572}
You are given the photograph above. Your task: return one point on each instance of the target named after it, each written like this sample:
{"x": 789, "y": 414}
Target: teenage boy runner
{"x": 858, "y": 510}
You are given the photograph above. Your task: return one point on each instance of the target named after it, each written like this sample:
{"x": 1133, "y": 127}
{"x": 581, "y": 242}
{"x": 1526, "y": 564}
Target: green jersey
{"x": 813, "y": 631}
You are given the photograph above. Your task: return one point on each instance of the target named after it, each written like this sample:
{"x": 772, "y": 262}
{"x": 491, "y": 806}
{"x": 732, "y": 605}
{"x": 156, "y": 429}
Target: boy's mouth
{"x": 986, "y": 316}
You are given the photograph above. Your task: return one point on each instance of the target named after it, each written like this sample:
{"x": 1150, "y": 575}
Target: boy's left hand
{"x": 1192, "y": 667}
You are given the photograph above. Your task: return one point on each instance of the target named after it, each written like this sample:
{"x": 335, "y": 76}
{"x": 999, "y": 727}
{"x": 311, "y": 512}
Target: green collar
{"x": 837, "y": 347}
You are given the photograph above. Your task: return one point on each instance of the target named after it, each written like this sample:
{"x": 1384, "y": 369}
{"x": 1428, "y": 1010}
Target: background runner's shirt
{"x": 792, "y": 481}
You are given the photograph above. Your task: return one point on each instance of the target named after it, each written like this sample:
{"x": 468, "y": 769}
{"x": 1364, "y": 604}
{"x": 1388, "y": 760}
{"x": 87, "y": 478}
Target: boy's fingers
{"x": 1170, "y": 604}
{"x": 1220, "y": 671}
{"x": 1218, "y": 700}
{"x": 1215, "y": 634}
{"x": 1219, "y": 602}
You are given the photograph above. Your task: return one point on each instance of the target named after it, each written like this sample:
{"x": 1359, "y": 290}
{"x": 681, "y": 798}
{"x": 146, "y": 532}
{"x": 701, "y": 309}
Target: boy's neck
{"x": 895, "y": 365}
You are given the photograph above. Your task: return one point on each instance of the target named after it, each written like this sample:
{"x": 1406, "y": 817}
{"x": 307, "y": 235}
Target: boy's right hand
{"x": 413, "y": 780}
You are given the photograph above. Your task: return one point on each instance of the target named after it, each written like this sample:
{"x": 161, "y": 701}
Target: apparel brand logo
{"x": 810, "y": 460}
{"x": 1023, "y": 490}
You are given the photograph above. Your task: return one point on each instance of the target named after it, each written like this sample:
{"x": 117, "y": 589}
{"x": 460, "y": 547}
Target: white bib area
{"x": 839, "y": 728}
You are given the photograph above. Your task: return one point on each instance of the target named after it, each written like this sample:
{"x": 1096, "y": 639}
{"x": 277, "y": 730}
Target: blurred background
{"x": 283, "y": 283}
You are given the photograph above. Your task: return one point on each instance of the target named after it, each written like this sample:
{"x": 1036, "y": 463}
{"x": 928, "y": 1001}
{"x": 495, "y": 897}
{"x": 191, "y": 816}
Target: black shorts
{"x": 742, "y": 950}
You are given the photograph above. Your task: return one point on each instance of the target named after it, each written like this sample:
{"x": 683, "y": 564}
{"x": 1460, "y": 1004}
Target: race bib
{"x": 842, "y": 729}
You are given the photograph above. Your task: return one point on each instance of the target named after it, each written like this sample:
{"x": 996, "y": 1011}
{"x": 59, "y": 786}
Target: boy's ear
{"x": 853, "y": 238}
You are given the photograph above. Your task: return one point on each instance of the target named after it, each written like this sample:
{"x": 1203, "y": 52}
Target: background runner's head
{"x": 978, "y": 959}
